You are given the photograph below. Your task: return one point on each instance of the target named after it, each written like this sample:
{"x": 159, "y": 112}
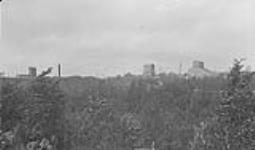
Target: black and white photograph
{"x": 127, "y": 75}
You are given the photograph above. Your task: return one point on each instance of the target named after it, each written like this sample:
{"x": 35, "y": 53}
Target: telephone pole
{"x": 180, "y": 69}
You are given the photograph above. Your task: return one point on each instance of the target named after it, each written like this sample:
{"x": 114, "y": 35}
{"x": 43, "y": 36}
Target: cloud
{"x": 113, "y": 33}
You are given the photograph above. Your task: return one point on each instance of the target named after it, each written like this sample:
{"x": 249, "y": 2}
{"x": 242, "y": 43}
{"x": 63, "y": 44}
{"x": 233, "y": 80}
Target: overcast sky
{"x": 109, "y": 37}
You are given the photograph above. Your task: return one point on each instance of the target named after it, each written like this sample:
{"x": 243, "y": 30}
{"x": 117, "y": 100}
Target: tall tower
{"x": 59, "y": 70}
{"x": 32, "y": 71}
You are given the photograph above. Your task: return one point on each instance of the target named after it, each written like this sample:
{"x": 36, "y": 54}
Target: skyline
{"x": 55, "y": 72}
{"x": 119, "y": 36}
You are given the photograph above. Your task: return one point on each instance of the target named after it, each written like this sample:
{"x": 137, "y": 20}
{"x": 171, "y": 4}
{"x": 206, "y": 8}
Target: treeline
{"x": 118, "y": 113}
{"x": 31, "y": 110}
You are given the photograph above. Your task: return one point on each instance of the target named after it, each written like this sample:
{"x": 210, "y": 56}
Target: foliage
{"x": 113, "y": 113}
{"x": 32, "y": 108}
{"x": 233, "y": 126}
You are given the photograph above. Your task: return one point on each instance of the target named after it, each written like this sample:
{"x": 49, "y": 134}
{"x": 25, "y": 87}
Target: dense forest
{"x": 167, "y": 112}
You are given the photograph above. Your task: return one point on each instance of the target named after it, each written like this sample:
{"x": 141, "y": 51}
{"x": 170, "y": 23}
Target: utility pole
{"x": 180, "y": 69}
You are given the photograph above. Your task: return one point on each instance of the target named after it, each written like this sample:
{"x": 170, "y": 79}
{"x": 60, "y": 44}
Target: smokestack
{"x": 59, "y": 70}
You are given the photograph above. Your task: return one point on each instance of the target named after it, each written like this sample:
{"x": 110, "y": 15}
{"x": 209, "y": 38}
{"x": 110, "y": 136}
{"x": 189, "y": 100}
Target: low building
{"x": 198, "y": 70}
{"x": 32, "y": 73}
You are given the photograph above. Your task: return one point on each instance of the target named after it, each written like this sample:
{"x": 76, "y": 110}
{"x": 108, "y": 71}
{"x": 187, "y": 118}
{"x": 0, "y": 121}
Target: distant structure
{"x": 198, "y": 64}
{"x": 180, "y": 69}
{"x": 59, "y": 70}
{"x": 149, "y": 70}
{"x": 32, "y": 73}
{"x": 198, "y": 70}
{"x": 2, "y": 74}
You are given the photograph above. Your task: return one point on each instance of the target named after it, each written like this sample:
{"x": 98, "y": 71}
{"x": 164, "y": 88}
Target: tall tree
{"x": 233, "y": 127}
{"x": 32, "y": 106}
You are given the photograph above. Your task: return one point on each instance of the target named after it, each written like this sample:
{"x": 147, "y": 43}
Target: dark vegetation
{"x": 233, "y": 125}
{"x": 122, "y": 113}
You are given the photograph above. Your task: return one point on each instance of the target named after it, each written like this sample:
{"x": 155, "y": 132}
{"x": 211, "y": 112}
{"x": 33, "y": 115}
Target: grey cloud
{"x": 87, "y": 32}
